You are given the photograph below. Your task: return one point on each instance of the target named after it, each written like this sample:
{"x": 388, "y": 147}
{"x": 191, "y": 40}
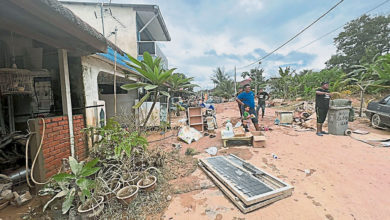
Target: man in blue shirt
{"x": 247, "y": 97}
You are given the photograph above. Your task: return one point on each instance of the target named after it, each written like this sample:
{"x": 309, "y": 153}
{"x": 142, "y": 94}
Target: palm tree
{"x": 219, "y": 76}
{"x": 256, "y": 76}
{"x": 155, "y": 78}
{"x": 225, "y": 89}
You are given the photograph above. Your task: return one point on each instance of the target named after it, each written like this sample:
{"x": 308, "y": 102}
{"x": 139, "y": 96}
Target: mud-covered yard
{"x": 348, "y": 179}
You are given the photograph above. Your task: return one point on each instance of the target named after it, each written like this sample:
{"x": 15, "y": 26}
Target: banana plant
{"x": 75, "y": 183}
{"x": 155, "y": 78}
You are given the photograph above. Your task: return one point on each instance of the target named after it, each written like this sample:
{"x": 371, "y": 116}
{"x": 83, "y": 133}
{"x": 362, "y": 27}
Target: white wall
{"x": 126, "y": 36}
{"x": 92, "y": 66}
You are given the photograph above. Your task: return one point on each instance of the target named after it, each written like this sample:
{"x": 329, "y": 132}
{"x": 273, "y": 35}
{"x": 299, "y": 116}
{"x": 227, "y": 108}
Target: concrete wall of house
{"x": 92, "y": 66}
{"x": 126, "y": 35}
{"x": 125, "y": 103}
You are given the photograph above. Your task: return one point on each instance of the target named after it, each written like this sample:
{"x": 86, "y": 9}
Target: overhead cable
{"x": 295, "y": 36}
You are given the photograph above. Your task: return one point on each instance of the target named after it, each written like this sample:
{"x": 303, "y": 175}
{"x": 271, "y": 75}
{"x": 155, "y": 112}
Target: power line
{"x": 330, "y": 32}
{"x": 295, "y": 36}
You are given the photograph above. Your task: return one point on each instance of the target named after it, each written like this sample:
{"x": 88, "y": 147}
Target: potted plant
{"x": 91, "y": 208}
{"x": 108, "y": 188}
{"x": 147, "y": 181}
{"x": 77, "y": 183}
{"x": 130, "y": 178}
{"x": 127, "y": 194}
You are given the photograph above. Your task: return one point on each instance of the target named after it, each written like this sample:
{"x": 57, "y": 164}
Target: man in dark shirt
{"x": 247, "y": 97}
{"x": 261, "y": 98}
{"x": 240, "y": 90}
{"x": 322, "y": 106}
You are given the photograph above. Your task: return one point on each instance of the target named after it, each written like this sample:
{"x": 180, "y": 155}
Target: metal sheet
{"x": 247, "y": 182}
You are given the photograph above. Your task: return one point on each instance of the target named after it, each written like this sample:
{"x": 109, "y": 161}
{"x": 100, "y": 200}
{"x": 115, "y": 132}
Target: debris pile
{"x": 8, "y": 196}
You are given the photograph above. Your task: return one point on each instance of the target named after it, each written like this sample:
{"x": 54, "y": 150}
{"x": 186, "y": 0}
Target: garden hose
{"x": 36, "y": 155}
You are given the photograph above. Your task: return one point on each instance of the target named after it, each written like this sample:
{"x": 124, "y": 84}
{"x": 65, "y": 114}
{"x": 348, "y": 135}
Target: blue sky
{"x": 207, "y": 34}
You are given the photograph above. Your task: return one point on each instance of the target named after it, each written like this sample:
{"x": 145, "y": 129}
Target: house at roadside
{"x": 57, "y": 74}
{"x": 134, "y": 29}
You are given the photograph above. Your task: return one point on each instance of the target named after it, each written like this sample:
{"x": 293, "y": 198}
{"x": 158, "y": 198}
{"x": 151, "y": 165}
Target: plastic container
{"x": 228, "y": 132}
{"x": 229, "y": 126}
{"x": 338, "y": 116}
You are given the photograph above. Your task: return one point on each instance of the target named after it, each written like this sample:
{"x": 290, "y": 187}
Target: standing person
{"x": 239, "y": 106}
{"x": 247, "y": 97}
{"x": 322, "y": 106}
{"x": 262, "y": 96}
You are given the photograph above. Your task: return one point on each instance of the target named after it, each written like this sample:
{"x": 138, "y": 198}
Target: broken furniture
{"x": 236, "y": 140}
{"x": 253, "y": 138}
{"x": 195, "y": 118}
{"x": 248, "y": 187}
{"x": 285, "y": 117}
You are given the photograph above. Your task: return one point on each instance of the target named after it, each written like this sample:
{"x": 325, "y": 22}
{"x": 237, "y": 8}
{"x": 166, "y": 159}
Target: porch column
{"x": 65, "y": 94}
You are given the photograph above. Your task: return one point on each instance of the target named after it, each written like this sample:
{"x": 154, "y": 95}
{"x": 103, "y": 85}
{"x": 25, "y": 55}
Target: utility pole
{"x": 235, "y": 81}
{"x": 116, "y": 31}
{"x": 102, "y": 17}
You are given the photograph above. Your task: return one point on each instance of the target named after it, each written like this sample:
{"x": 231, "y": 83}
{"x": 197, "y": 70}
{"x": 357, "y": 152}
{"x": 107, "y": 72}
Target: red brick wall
{"x": 79, "y": 137}
{"x": 56, "y": 142}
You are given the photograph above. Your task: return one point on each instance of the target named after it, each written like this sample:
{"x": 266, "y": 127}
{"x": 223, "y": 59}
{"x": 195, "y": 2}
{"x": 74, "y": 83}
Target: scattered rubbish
{"x": 169, "y": 198}
{"x": 385, "y": 144}
{"x": 23, "y": 199}
{"x": 177, "y": 146}
{"x": 307, "y": 172}
{"x": 182, "y": 122}
{"x": 212, "y": 151}
{"x": 248, "y": 187}
{"x": 347, "y": 132}
{"x": 277, "y": 121}
{"x": 274, "y": 156}
{"x": 189, "y": 134}
{"x": 238, "y": 124}
{"x": 361, "y": 132}
{"x": 265, "y": 128}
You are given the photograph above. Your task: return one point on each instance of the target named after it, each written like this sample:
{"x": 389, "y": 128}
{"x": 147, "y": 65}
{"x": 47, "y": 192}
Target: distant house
{"x": 245, "y": 81}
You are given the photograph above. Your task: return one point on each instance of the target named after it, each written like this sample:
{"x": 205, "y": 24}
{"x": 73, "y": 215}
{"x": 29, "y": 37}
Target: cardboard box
{"x": 258, "y": 139}
{"x": 239, "y": 132}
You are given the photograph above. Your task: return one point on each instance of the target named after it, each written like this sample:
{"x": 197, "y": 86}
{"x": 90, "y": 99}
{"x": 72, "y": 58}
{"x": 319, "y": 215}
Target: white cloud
{"x": 251, "y": 5}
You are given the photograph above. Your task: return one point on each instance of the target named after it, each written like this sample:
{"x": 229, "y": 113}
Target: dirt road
{"x": 348, "y": 179}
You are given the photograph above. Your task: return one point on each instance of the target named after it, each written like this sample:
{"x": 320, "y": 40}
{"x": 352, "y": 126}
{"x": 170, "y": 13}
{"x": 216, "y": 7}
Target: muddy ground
{"x": 348, "y": 179}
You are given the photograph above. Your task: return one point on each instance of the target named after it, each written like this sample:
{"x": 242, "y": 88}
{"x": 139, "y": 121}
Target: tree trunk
{"x": 150, "y": 112}
{"x": 361, "y": 102}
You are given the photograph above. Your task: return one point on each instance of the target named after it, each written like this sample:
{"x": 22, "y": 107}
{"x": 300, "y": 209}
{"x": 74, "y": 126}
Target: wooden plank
{"x": 236, "y": 201}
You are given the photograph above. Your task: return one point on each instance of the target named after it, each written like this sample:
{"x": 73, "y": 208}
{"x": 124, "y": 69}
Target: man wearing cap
{"x": 322, "y": 106}
{"x": 247, "y": 97}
